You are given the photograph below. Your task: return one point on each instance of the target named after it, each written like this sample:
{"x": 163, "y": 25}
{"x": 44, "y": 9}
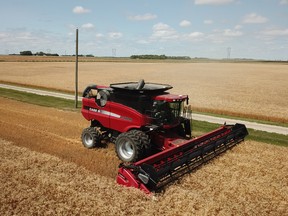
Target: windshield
{"x": 167, "y": 112}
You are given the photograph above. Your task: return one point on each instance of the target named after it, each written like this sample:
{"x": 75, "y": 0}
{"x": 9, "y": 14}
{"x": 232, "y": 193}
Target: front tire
{"x": 90, "y": 137}
{"x": 131, "y": 145}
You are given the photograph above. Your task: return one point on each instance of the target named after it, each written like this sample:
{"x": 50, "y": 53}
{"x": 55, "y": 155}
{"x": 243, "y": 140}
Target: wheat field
{"x": 239, "y": 183}
{"x": 45, "y": 170}
{"x": 253, "y": 90}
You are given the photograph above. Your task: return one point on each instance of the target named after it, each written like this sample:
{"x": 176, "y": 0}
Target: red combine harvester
{"x": 151, "y": 130}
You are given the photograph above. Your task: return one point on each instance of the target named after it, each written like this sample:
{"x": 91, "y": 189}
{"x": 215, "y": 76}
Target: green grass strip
{"x": 198, "y": 127}
{"x": 281, "y": 124}
{"x": 202, "y": 127}
{"x": 47, "y": 101}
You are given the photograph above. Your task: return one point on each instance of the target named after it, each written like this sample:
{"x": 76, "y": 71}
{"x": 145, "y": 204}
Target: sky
{"x": 217, "y": 29}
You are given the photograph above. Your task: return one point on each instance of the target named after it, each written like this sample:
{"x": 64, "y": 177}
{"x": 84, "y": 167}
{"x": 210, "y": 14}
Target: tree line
{"x": 29, "y": 53}
{"x": 159, "y": 57}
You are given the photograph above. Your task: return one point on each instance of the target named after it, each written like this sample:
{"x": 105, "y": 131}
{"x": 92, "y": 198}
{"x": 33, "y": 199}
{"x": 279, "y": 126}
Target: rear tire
{"x": 132, "y": 145}
{"x": 90, "y": 137}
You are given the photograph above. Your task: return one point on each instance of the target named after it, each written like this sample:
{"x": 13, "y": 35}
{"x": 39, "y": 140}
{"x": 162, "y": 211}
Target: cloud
{"x": 99, "y": 35}
{"x": 208, "y": 22}
{"x": 254, "y": 18}
{"x": 115, "y": 35}
{"x": 238, "y": 27}
{"x": 142, "y": 41}
{"x": 80, "y": 10}
{"x": 87, "y": 26}
{"x": 232, "y": 33}
{"x": 283, "y": 2}
{"x": 276, "y": 32}
{"x": 16, "y": 40}
{"x": 143, "y": 17}
{"x": 163, "y": 32}
{"x": 185, "y": 23}
{"x": 4, "y": 36}
{"x": 16, "y": 36}
{"x": 195, "y": 36}
{"x": 220, "y": 36}
{"x": 212, "y": 2}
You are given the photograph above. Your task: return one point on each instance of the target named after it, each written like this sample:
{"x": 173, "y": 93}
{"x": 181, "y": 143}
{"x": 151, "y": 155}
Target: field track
{"x": 45, "y": 169}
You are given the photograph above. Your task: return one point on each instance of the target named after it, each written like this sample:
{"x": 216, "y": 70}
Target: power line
{"x": 113, "y": 52}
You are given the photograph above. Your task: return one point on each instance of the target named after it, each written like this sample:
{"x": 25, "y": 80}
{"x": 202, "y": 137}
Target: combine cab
{"x": 151, "y": 131}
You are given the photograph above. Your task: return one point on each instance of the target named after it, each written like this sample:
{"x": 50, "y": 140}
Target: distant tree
{"x": 159, "y": 57}
{"x": 40, "y": 53}
{"x": 45, "y": 54}
{"x": 148, "y": 57}
{"x": 29, "y": 53}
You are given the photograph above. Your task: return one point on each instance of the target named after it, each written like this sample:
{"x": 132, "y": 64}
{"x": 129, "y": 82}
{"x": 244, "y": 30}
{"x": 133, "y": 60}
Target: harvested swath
{"x": 55, "y": 132}
{"x": 250, "y": 179}
{"x": 242, "y": 89}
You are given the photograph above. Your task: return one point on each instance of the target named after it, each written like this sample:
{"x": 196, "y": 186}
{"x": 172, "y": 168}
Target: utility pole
{"x": 76, "y": 72}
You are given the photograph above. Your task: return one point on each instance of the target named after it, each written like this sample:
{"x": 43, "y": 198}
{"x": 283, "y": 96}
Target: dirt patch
{"x": 44, "y": 169}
